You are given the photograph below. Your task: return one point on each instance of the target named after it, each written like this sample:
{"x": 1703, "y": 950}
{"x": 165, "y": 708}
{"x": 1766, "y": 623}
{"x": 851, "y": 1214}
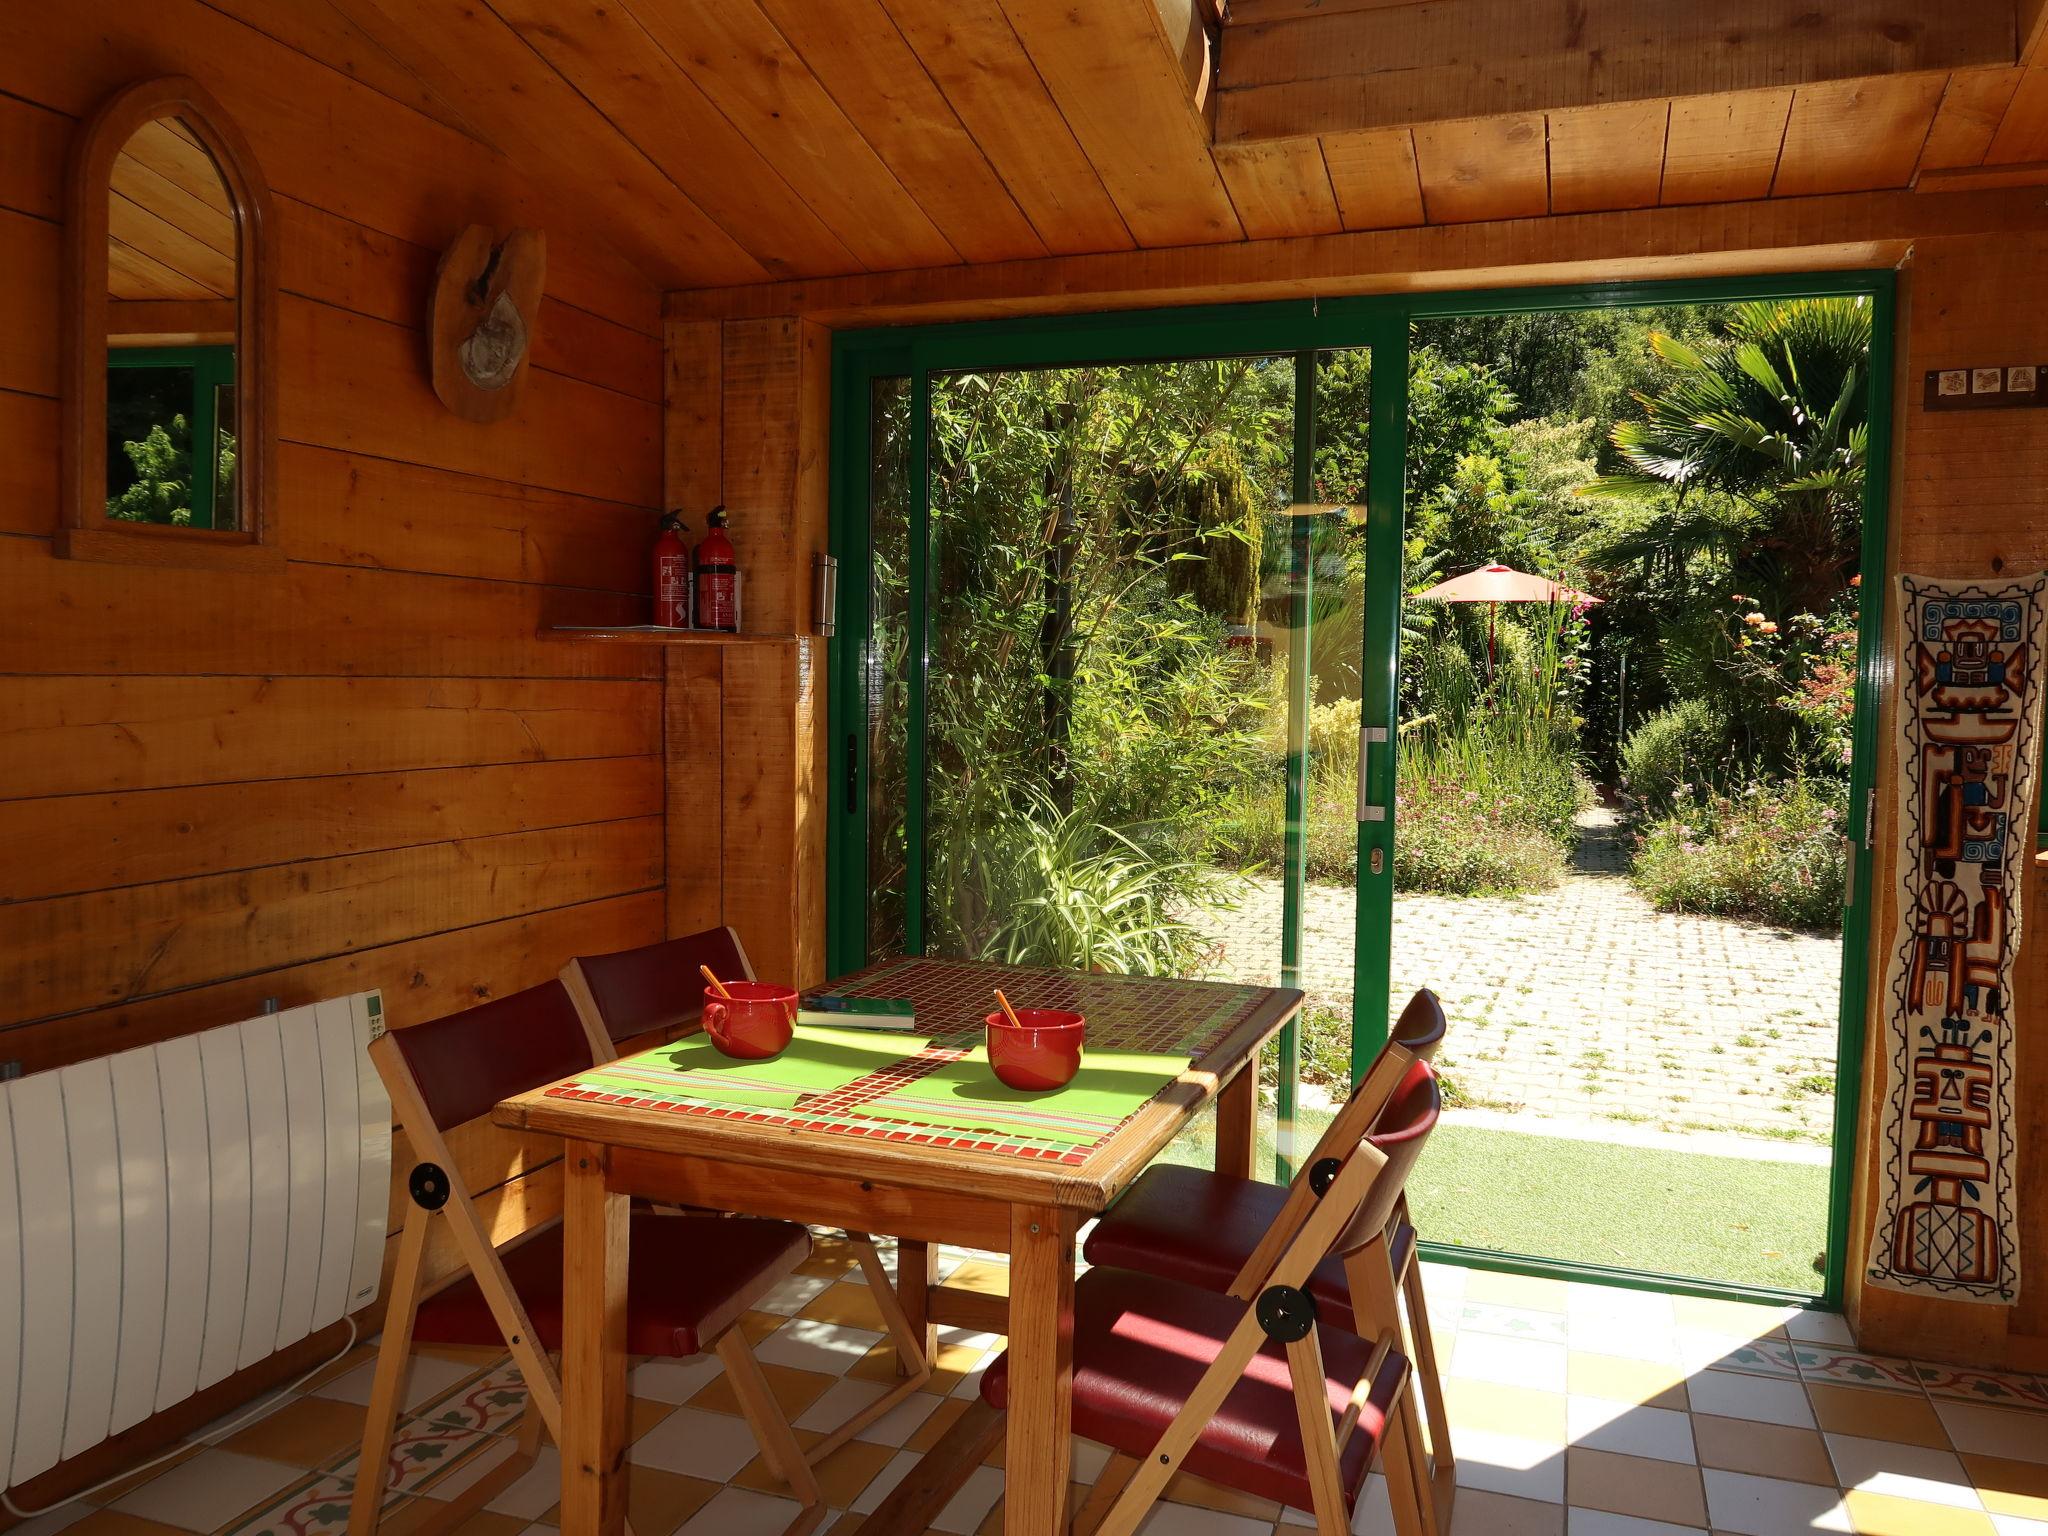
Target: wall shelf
{"x": 655, "y": 634}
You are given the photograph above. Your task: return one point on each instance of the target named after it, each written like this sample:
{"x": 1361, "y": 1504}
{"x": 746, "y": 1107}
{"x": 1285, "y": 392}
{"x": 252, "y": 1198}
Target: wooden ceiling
{"x": 170, "y": 223}
{"x": 724, "y": 142}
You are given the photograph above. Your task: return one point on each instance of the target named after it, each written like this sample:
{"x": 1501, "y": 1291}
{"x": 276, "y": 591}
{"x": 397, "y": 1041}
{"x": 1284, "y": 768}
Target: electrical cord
{"x": 250, "y": 1417}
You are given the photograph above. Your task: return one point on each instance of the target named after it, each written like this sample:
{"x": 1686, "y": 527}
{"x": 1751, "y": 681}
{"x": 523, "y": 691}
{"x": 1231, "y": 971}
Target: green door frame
{"x": 1303, "y": 328}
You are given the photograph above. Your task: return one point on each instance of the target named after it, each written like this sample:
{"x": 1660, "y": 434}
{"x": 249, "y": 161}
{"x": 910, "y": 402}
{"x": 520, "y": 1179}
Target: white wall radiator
{"x": 177, "y": 1212}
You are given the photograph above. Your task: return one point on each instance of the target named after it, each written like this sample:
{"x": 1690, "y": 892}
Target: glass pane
{"x": 173, "y": 251}
{"x": 149, "y": 443}
{"x": 1337, "y": 629}
{"x": 888, "y": 676}
{"x": 1624, "y": 771}
{"x": 224, "y": 456}
{"x": 1101, "y": 742}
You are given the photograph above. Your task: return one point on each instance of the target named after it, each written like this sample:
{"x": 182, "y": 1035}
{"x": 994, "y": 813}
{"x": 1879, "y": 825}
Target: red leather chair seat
{"x": 1192, "y": 1225}
{"x": 688, "y": 1279}
{"x": 1141, "y": 1345}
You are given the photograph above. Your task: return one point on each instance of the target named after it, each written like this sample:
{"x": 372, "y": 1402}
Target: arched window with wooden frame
{"x": 170, "y": 323}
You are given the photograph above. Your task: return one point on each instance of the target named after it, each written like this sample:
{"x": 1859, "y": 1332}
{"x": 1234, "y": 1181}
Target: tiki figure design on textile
{"x": 1968, "y": 673}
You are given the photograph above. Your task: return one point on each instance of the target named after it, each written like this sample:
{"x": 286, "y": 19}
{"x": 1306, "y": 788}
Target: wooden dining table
{"x": 825, "y": 1163}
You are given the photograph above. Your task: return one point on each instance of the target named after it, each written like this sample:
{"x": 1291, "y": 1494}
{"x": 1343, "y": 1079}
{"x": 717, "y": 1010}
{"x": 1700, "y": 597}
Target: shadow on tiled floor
{"x": 1577, "y": 1410}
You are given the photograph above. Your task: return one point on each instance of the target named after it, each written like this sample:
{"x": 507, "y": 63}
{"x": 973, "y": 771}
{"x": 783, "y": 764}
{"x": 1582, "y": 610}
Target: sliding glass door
{"x": 1136, "y": 670}
{"x": 1105, "y": 706}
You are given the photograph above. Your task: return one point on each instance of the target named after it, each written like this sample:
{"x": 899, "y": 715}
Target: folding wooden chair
{"x": 690, "y": 1279}
{"x": 1222, "y": 1233}
{"x": 1253, "y": 1391}
{"x": 658, "y": 990}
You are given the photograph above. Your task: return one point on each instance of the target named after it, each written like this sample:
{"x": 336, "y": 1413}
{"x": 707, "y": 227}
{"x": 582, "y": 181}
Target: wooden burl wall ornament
{"x": 481, "y": 319}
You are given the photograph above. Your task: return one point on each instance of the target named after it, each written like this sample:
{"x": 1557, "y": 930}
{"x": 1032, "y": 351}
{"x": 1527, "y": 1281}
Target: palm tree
{"x": 1775, "y": 417}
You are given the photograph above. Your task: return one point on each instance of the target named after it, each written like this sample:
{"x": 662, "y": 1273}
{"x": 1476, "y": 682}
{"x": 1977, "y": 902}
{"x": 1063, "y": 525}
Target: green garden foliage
{"x": 1768, "y": 851}
{"x": 1107, "y": 712}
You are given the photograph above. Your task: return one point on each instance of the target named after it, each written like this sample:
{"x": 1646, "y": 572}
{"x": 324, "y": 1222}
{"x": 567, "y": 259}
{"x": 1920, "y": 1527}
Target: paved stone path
{"x": 1585, "y": 1002}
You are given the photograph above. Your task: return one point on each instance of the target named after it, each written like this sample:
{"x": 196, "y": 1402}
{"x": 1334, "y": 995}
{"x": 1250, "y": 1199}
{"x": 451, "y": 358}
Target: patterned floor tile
{"x": 422, "y": 1453}
{"x": 1511, "y": 1322}
{"x": 2001, "y": 1388}
{"x": 1736, "y": 1396}
{"x": 1876, "y": 1415}
{"x": 1630, "y": 1429}
{"x": 1576, "y": 1410}
{"x": 492, "y": 1403}
{"x": 1879, "y": 1514}
{"x": 1755, "y": 1357}
{"x": 1851, "y": 1369}
{"x": 1743, "y": 1505}
{"x": 206, "y": 1491}
{"x": 2009, "y": 1487}
{"x": 1972, "y": 1427}
{"x": 1631, "y": 1485}
{"x": 1763, "y": 1450}
{"x": 1902, "y": 1471}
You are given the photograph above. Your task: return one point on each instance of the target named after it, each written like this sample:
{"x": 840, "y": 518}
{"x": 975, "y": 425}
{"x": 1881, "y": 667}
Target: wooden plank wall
{"x": 367, "y": 770}
{"x": 1970, "y": 500}
{"x": 749, "y": 403}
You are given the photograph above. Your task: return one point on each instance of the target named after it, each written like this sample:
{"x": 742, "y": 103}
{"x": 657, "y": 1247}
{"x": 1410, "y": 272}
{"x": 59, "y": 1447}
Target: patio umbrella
{"x": 1496, "y": 584}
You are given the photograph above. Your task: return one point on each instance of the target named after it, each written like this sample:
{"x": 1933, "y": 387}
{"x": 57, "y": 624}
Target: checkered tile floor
{"x": 1578, "y": 1410}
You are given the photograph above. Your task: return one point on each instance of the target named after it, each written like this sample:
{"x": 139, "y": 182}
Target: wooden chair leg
{"x": 1115, "y": 1473}
{"x": 1376, "y": 1308}
{"x": 1400, "y": 1456}
{"x": 909, "y": 1347}
{"x": 778, "y": 1442}
{"x": 917, "y": 1500}
{"x": 1318, "y": 1436}
{"x": 394, "y": 1353}
{"x": 1442, "y": 1464}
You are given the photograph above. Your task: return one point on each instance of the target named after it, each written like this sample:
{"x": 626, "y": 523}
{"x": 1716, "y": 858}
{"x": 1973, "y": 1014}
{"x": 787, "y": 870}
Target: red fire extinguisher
{"x": 671, "y": 575}
{"x": 718, "y": 578}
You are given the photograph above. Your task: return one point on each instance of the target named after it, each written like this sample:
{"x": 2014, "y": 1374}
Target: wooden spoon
{"x": 1008, "y": 1012}
{"x": 716, "y": 985}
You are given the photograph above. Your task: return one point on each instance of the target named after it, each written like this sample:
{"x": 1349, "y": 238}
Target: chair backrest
{"x": 1420, "y": 1029}
{"x": 1398, "y": 1136}
{"x": 654, "y": 987}
{"x": 463, "y": 1064}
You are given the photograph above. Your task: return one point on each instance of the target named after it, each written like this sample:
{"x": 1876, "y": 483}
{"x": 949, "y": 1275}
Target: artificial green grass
{"x": 1725, "y": 1219}
{"x": 1731, "y": 1219}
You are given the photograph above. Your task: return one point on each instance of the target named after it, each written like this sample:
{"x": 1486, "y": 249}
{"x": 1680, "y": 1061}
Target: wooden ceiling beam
{"x": 2033, "y": 31}
{"x": 1123, "y": 92}
{"x": 1443, "y": 60}
{"x": 1839, "y": 232}
{"x": 572, "y": 152}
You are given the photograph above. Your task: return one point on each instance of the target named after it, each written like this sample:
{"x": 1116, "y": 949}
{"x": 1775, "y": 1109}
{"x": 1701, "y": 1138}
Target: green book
{"x": 856, "y": 1012}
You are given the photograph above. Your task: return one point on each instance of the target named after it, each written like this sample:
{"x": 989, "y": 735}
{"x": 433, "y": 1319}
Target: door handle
{"x": 1369, "y": 736}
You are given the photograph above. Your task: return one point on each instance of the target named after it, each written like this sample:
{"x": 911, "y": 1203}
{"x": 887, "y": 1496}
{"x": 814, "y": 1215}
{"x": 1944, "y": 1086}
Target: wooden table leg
{"x": 1040, "y": 1442}
{"x": 917, "y": 1270}
{"x": 594, "y": 1242}
{"x": 1237, "y": 1123}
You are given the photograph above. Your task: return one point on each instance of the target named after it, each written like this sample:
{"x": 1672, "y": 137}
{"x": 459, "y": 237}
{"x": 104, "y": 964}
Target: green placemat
{"x": 965, "y": 1095}
{"x": 817, "y": 1060}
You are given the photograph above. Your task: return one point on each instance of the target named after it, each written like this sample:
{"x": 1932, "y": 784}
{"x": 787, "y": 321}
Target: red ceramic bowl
{"x": 1044, "y": 1053}
{"x": 754, "y": 1023}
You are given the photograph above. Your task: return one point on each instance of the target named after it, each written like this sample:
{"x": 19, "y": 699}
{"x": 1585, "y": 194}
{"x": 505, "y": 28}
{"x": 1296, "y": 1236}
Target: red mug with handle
{"x": 753, "y": 1021}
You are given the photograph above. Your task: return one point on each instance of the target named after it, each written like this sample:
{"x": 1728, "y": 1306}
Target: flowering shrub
{"x": 1772, "y": 852}
{"x": 1452, "y": 840}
